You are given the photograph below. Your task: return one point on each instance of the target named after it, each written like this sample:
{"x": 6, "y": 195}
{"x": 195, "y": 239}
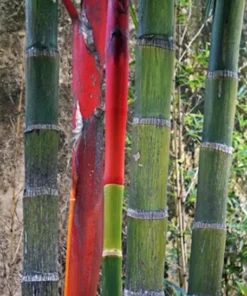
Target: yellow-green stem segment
{"x": 112, "y": 250}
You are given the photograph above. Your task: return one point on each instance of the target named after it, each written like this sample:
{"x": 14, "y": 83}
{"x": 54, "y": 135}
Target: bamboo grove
{"x": 100, "y": 56}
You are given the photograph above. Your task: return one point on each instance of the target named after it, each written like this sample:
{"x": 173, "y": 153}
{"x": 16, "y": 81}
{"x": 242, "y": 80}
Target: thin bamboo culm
{"x": 40, "y": 202}
{"x": 115, "y": 121}
{"x": 209, "y": 228}
{"x": 147, "y": 212}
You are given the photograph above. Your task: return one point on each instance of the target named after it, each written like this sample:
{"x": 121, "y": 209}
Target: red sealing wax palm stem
{"x": 71, "y": 9}
{"x": 116, "y": 90}
{"x": 85, "y": 229}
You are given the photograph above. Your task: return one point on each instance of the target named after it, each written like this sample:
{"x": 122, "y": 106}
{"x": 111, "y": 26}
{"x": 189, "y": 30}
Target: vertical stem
{"x": 85, "y": 229}
{"x": 209, "y": 229}
{"x": 116, "y": 117}
{"x": 147, "y": 212}
{"x": 40, "y": 203}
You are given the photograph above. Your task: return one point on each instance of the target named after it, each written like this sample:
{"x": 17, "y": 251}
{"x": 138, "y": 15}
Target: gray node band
{"x": 33, "y": 127}
{"x": 143, "y": 293}
{"x": 222, "y": 74}
{"x": 151, "y": 121}
{"x": 147, "y": 215}
{"x": 40, "y": 277}
{"x": 33, "y": 192}
{"x": 35, "y": 52}
{"x": 217, "y": 146}
{"x": 203, "y": 225}
{"x": 156, "y": 41}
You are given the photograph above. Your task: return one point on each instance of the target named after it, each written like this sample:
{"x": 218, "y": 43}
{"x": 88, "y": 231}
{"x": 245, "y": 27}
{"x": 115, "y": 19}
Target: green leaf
{"x": 242, "y": 288}
{"x": 133, "y": 15}
{"x": 179, "y": 291}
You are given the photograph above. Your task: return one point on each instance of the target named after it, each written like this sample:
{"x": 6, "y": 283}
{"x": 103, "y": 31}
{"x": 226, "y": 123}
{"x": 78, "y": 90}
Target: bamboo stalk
{"x": 40, "y": 203}
{"x": 147, "y": 211}
{"x": 85, "y": 229}
{"x": 115, "y": 119}
{"x": 209, "y": 229}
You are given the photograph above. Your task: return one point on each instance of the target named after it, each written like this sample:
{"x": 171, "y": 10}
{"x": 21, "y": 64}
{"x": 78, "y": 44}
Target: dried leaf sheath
{"x": 116, "y": 117}
{"x": 85, "y": 230}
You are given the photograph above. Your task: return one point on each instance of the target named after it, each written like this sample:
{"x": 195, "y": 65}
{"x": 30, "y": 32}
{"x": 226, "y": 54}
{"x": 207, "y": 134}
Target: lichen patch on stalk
{"x": 136, "y": 156}
{"x": 76, "y": 133}
{"x": 86, "y": 30}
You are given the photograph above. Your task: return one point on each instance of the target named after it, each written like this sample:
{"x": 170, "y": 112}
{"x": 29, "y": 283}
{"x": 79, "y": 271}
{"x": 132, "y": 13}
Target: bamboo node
{"x": 159, "y": 41}
{"x": 147, "y": 215}
{"x": 33, "y": 127}
{"x": 203, "y": 225}
{"x": 222, "y": 74}
{"x": 48, "y": 52}
{"x": 217, "y": 146}
{"x": 112, "y": 252}
{"x": 38, "y": 191}
{"x": 152, "y": 121}
{"x": 143, "y": 292}
{"x": 40, "y": 277}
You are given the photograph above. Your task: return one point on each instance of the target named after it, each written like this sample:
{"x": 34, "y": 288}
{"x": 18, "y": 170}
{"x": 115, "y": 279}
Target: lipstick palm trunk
{"x": 147, "y": 212}
{"x": 40, "y": 202}
{"x": 85, "y": 229}
{"x": 209, "y": 229}
{"x": 116, "y": 117}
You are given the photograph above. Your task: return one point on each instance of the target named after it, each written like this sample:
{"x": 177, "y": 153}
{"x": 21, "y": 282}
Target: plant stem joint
{"x": 152, "y": 121}
{"x": 143, "y": 293}
{"x": 162, "y": 41}
{"x": 147, "y": 215}
{"x": 203, "y": 225}
{"x": 217, "y": 146}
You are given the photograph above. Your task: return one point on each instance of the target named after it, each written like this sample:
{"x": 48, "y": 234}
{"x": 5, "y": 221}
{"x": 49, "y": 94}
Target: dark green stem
{"x": 40, "y": 204}
{"x": 209, "y": 231}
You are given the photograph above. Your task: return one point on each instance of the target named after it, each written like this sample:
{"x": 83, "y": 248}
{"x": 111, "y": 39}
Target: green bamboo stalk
{"x": 40, "y": 203}
{"x": 147, "y": 212}
{"x": 209, "y": 229}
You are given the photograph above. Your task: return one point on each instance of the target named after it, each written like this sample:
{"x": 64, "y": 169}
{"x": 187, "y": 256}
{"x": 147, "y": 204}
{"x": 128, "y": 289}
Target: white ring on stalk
{"x": 40, "y": 277}
{"x": 222, "y": 74}
{"x": 147, "y": 215}
{"x": 36, "y": 52}
{"x": 33, "y": 127}
{"x": 156, "y": 41}
{"x": 217, "y": 146}
{"x": 38, "y": 191}
{"x": 112, "y": 252}
{"x": 203, "y": 225}
{"x": 143, "y": 293}
{"x": 151, "y": 121}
